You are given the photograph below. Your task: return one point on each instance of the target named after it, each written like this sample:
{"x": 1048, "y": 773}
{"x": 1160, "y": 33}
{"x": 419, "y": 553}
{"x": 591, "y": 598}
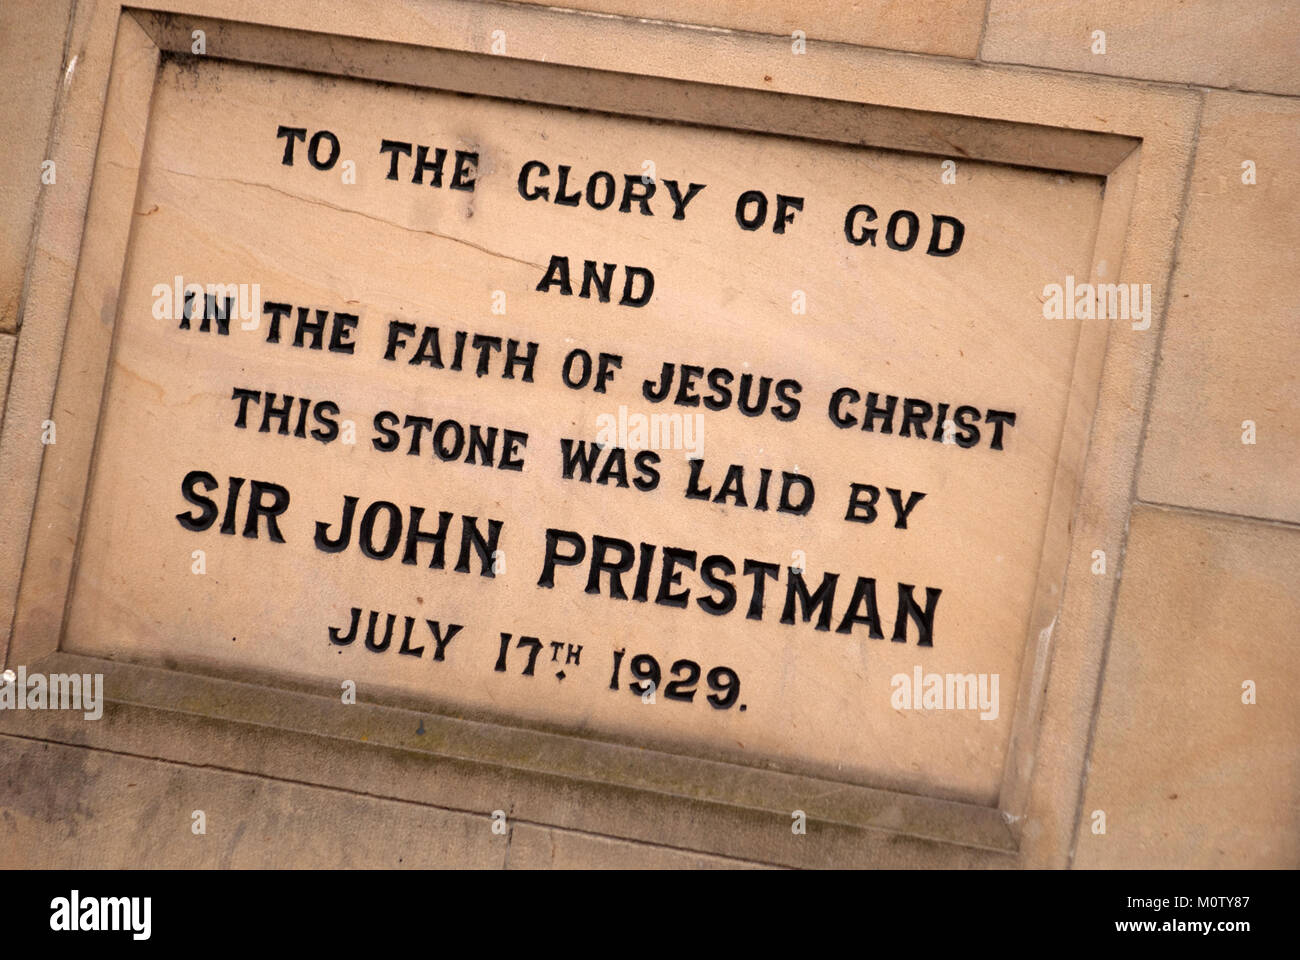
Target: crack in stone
{"x": 333, "y": 206}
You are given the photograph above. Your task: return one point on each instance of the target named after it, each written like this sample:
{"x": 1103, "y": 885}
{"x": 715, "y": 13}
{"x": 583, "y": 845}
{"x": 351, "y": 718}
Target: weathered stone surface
{"x": 545, "y": 848}
{"x": 1186, "y": 773}
{"x": 70, "y": 807}
{"x": 947, "y": 27}
{"x": 1222, "y": 432}
{"x": 33, "y": 33}
{"x": 1215, "y": 43}
{"x": 8, "y": 343}
{"x": 217, "y": 205}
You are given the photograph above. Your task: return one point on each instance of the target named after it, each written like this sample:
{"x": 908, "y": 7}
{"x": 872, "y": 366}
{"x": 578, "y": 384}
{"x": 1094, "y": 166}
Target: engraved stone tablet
{"x": 731, "y": 444}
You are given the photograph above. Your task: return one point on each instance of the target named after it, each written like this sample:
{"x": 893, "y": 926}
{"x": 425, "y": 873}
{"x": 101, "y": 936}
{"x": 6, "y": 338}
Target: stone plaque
{"x": 736, "y": 445}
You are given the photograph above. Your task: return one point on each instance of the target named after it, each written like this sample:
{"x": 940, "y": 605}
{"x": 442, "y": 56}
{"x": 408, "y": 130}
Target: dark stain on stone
{"x": 49, "y": 784}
